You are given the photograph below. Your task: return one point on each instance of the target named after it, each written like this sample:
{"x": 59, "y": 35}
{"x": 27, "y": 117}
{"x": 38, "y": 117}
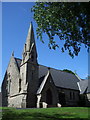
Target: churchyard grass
{"x": 63, "y": 113}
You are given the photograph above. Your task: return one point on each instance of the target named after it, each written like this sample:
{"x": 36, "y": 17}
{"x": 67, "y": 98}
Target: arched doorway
{"x": 49, "y": 97}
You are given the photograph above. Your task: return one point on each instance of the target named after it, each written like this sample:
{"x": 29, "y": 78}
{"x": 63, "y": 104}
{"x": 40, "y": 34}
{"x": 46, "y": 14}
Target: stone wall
{"x": 71, "y": 96}
{"x": 4, "y": 91}
{"x": 17, "y": 101}
{"x": 13, "y": 77}
{"x": 88, "y": 99}
{"x": 32, "y": 80}
{"x": 10, "y": 85}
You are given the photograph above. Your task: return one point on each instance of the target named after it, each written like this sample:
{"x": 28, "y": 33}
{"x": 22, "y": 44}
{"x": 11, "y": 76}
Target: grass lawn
{"x": 63, "y": 113}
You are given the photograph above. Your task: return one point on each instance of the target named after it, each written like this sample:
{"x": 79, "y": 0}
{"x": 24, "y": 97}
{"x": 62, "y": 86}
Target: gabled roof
{"x": 43, "y": 83}
{"x": 83, "y": 86}
{"x": 60, "y": 78}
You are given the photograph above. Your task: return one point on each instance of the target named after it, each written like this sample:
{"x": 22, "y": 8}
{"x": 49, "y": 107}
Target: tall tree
{"x": 69, "y": 21}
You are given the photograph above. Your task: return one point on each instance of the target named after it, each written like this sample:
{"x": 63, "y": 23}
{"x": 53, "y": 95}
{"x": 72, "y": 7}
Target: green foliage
{"x": 46, "y": 114}
{"x": 69, "y": 21}
{"x": 69, "y": 71}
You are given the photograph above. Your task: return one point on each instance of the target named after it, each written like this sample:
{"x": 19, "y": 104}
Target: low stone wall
{"x": 16, "y": 101}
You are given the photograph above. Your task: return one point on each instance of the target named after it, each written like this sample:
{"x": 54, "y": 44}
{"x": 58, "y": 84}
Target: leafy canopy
{"x": 68, "y": 71}
{"x": 69, "y": 21}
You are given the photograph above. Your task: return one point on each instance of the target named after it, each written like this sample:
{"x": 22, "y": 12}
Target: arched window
{"x": 19, "y": 85}
{"x": 73, "y": 95}
{"x": 70, "y": 95}
{"x": 8, "y": 83}
{"x": 8, "y": 86}
{"x": 32, "y": 56}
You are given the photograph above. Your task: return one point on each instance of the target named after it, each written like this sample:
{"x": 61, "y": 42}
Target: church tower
{"x": 29, "y": 69}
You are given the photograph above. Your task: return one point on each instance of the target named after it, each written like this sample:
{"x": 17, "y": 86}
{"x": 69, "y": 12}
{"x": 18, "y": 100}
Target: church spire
{"x": 30, "y": 46}
{"x": 30, "y": 38}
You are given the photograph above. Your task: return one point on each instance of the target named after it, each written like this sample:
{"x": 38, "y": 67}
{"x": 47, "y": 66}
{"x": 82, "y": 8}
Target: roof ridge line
{"x": 55, "y": 69}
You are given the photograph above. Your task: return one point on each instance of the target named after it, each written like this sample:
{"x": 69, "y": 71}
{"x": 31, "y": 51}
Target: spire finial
{"x": 31, "y": 27}
{"x": 30, "y": 37}
{"x": 13, "y": 53}
{"x": 31, "y": 22}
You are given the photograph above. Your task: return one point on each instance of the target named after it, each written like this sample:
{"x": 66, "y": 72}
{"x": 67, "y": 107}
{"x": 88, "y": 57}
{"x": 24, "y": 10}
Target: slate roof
{"x": 88, "y": 86}
{"x": 60, "y": 78}
{"x": 83, "y": 86}
{"x": 42, "y": 83}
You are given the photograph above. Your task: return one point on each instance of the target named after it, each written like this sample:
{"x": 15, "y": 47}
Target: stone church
{"x": 28, "y": 84}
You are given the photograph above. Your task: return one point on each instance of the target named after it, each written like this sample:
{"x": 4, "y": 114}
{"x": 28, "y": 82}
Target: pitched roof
{"x": 88, "y": 85}
{"x": 60, "y": 78}
{"x": 83, "y": 86}
{"x": 42, "y": 84}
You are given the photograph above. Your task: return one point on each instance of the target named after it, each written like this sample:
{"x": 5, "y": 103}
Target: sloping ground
{"x": 64, "y": 113}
